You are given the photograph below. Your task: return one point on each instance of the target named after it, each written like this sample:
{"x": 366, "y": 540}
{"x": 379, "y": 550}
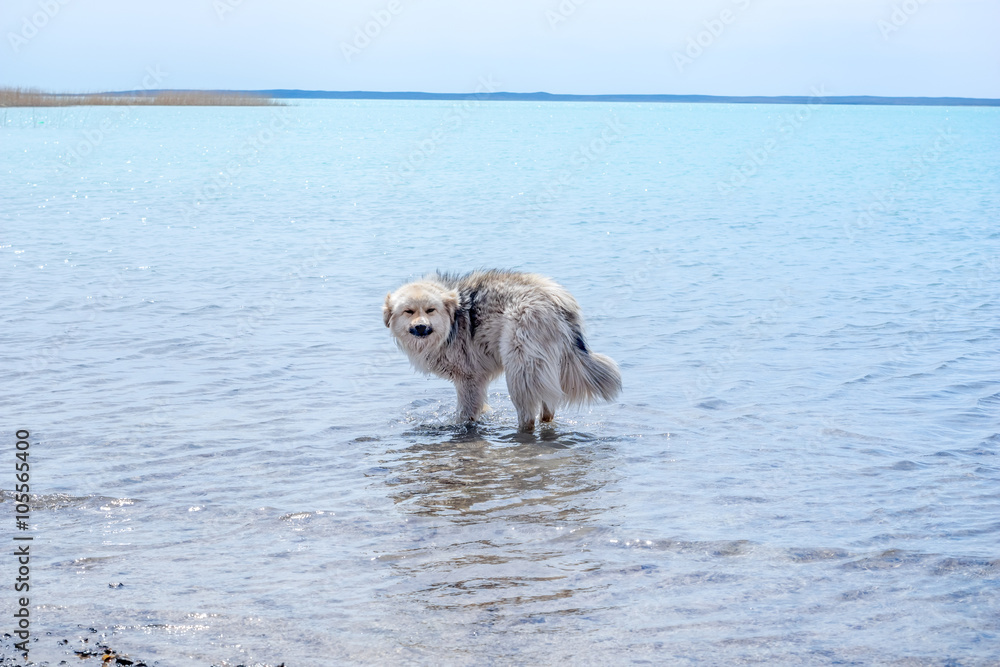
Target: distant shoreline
{"x": 688, "y": 99}
{"x": 12, "y": 98}
{"x": 24, "y": 98}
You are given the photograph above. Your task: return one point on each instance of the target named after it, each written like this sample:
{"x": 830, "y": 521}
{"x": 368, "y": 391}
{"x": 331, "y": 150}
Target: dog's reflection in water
{"x": 474, "y": 472}
{"x": 498, "y": 522}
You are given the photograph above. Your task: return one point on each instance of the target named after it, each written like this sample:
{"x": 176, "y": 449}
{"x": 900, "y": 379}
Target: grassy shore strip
{"x": 28, "y": 97}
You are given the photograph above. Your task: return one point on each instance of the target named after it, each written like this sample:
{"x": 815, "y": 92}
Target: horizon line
{"x": 817, "y": 98}
{"x": 541, "y": 96}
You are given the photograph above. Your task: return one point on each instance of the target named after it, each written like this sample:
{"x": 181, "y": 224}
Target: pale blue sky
{"x": 766, "y": 47}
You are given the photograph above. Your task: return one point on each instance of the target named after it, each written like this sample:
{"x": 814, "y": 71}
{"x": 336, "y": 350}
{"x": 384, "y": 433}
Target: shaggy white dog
{"x": 469, "y": 329}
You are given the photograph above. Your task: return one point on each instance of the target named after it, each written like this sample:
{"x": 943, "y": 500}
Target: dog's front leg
{"x": 471, "y": 398}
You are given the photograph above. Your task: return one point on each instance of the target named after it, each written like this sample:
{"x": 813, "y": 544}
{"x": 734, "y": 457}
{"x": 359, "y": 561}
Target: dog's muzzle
{"x": 421, "y": 330}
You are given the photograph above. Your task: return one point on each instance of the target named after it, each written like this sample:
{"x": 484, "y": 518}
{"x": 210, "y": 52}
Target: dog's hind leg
{"x": 471, "y": 398}
{"x": 533, "y": 386}
{"x": 524, "y": 399}
{"x": 531, "y": 353}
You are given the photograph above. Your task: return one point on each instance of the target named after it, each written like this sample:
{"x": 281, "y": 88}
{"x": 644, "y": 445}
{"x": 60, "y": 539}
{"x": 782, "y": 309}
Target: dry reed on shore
{"x": 29, "y": 97}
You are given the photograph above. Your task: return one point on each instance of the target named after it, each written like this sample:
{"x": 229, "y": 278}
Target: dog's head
{"x": 420, "y": 315}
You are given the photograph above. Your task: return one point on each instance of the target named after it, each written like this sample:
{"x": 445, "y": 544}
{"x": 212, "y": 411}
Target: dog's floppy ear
{"x": 387, "y": 309}
{"x": 450, "y": 300}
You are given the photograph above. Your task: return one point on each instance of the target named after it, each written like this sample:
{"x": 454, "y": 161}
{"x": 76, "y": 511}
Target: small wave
{"x": 993, "y": 400}
{"x": 887, "y": 560}
{"x": 992, "y": 441}
{"x": 976, "y": 568}
{"x": 840, "y": 433}
{"x": 814, "y": 555}
{"x": 906, "y": 465}
{"x": 59, "y": 501}
{"x": 88, "y": 563}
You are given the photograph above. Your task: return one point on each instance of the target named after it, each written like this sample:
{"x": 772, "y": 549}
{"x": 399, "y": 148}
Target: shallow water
{"x": 802, "y": 468}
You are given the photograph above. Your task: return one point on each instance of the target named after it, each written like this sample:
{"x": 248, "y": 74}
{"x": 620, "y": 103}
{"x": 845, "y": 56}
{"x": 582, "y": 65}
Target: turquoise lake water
{"x": 802, "y": 468}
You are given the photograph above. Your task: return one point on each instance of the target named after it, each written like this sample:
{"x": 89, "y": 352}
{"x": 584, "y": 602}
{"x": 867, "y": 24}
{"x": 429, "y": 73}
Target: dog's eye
{"x": 408, "y": 312}
{"x": 431, "y": 310}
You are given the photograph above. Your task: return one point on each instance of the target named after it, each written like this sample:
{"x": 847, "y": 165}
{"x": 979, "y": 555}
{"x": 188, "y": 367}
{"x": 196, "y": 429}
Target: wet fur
{"x": 486, "y": 323}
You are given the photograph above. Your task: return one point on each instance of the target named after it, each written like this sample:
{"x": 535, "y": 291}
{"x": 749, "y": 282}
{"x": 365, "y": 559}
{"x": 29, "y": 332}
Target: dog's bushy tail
{"x": 587, "y": 376}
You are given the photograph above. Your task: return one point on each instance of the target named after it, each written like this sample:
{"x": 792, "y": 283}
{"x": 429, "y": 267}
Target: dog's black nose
{"x": 421, "y": 330}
